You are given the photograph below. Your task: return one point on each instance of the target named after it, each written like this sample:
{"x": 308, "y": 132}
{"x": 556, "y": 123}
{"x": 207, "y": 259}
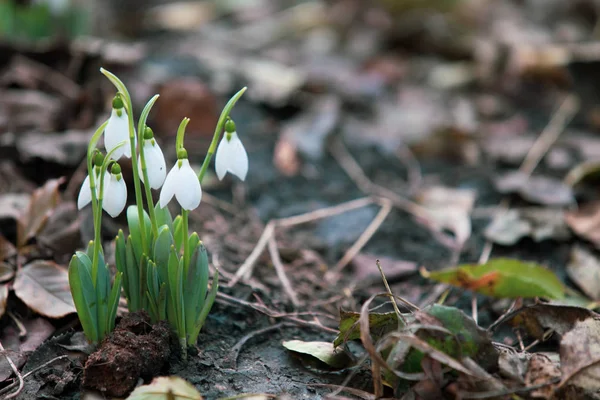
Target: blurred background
{"x": 343, "y": 94}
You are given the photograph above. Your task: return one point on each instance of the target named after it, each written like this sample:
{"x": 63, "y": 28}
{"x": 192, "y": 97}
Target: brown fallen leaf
{"x": 42, "y": 203}
{"x": 285, "y": 156}
{"x": 44, "y": 287}
{"x": 539, "y": 317}
{"x": 585, "y": 222}
{"x": 507, "y": 228}
{"x": 584, "y": 270}
{"x": 536, "y": 189}
{"x": 542, "y": 370}
{"x": 366, "y": 272}
{"x": 580, "y": 355}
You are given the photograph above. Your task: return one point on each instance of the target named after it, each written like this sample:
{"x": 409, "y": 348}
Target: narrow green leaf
{"x": 162, "y": 246}
{"x": 113, "y": 301}
{"x": 210, "y": 299}
{"x": 192, "y": 244}
{"x": 121, "y": 261}
{"x": 503, "y": 278}
{"x": 163, "y": 217}
{"x": 195, "y": 286}
{"x": 84, "y": 294}
{"x": 135, "y": 232}
{"x": 133, "y": 301}
{"x": 102, "y": 294}
{"x": 178, "y": 233}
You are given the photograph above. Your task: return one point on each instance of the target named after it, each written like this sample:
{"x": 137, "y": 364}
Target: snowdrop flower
{"x": 85, "y": 193}
{"x": 182, "y": 183}
{"x": 231, "y": 156}
{"x": 117, "y": 130}
{"x": 155, "y": 161}
{"x": 115, "y": 191}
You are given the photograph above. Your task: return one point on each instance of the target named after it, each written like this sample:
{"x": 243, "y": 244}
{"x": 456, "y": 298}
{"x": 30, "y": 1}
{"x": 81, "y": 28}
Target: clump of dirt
{"x": 135, "y": 349}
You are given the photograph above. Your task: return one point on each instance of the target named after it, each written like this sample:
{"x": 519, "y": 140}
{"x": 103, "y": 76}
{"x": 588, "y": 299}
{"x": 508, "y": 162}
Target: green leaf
{"x": 210, "y": 300}
{"x": 503, "y": 278}
{"x": 102, "y": 294}
{"x": 162, "y": 246}
{"x": 193, "y": 242}
{"x": 84, "y": 294}
{"x": 178, "y": 233}
{"x": 195, "y": 286}
{"x": 135, "y": 232}
{"x": 121, "y": 261}
{"x": 163, "y": 217}
{"x": 132, "y": 273}
{"x": 379, "y": 323}
{"x": 113, "y": 301}
{"x": 324, "y": 352}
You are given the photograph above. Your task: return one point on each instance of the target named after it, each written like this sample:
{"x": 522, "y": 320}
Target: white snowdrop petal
{"x": 188, "y": 191}
{"x": 85, "y": 194}
{"x": 168, "y": 190}
{"x": 115, "y": 196}
{"x": 221, "y": 158}
{"x": 116, "y": 131}
{"x": 155, "y": 162}
{"x": 238, "y": 164}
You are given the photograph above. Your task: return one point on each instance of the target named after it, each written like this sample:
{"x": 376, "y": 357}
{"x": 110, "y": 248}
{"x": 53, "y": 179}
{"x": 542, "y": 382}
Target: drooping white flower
{"x": 117, "y": 131}
{"x": 85, "y": 193}
{"x": 182, "y": 183}
{"x": 115, "y": 192}
{"x": 155, "y": 163}
{"x": 231, "y": 156}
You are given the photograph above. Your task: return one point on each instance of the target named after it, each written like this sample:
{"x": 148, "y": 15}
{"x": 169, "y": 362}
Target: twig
{"x": 33, "y": 371}
{"x": 235, "y": 350}
{"x": 17, "y": 321}
{"x": 246, "y": 269}
{"x": 280, "y": 270}
{"x": 413, "y": 167}
{"x": 274, "y": 314}
{"x": 216, "y": 202}
{"x": 16, "y": 371}
{"x": 387, "y": 287}
{"x": 363, "y": 238}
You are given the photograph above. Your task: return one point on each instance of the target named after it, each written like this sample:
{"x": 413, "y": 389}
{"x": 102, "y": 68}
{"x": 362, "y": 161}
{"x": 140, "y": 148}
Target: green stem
{"x": 134, "y": 165}
{"x": 186, "y": 245}
{"x": 147, "y": 189}
{"x": 180, "y": 134}
{"x": 218, "y": 130}
{"x": 95, "y": 209}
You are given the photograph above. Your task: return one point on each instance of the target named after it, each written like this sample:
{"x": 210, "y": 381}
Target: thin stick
{"x": 235, "y": 350}
{"x": 280, "y": 270}
{"x": 246, "y": 269}
{"x": 363, "y": 238}
{"x": 16, "y": 371}
{"x": 387, "y": 287}
{"x": 550, "y": 134}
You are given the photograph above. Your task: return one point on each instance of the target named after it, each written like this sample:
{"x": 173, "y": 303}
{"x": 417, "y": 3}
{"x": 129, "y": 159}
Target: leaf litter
{"x": 393, "y": 103}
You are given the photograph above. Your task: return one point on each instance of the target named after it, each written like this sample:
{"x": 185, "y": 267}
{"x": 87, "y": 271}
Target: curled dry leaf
{"x": 539, "y": 317}
{"x": 536, "y": 189}
{"x": 507, "y": 228}
{"x": 324, "y": 352}
{"x": 584, "y": 270}
{"x": 449, "y": 209}
{"x": 42, "y": 203}
{"x": 580, "y": 355}
{"x": 585, "y": 222}
{"x": 44, "y": 287}
{"x": 166, "y": 388}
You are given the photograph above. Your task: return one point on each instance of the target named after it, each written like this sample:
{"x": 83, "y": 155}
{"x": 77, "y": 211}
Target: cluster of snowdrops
{"x": 161, "y": 267}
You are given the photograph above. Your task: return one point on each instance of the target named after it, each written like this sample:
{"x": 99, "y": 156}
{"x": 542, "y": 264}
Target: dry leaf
{"x": 585, "y": 222}
{"x": 44, "y": 287}
{"x": 536, "y": 189}
{"x": 584, "y": 270}
{"x": 542, "y": 370}
{"x": 43, "y": 201}
{"x": 166, "y": 388}
{"x": 507, "y": 228}
{"x": 580, "y": 355}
